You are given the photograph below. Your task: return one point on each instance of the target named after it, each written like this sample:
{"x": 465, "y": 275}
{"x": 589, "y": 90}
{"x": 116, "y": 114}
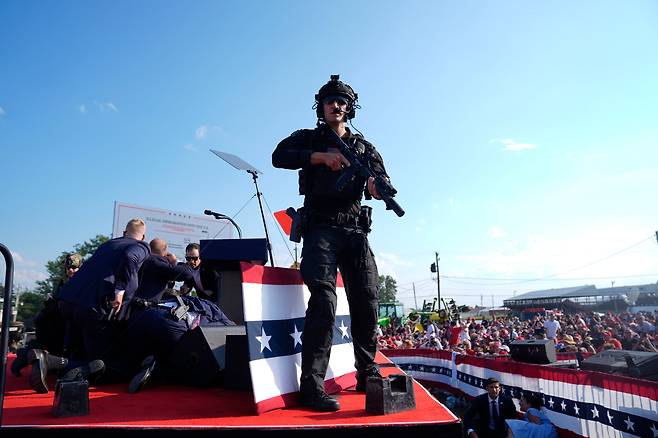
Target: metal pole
{"x": 438, "y": 279}
{"x": 262, "y": 215}
{"x": 413, "y": 285}
{"x": 6, "y": 314}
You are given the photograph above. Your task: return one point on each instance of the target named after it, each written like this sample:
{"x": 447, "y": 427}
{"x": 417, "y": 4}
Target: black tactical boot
{"x": 319, "y": 401}
{"x": 42, "y": 362}
{"x": 362, "y": 378}
{"x": 143, "y": 376}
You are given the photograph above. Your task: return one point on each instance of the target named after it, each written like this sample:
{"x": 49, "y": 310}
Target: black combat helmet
{"x": 336, "y": 88}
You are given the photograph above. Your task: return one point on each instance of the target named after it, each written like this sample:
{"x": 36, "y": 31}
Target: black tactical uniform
{"x": 335, "y": 236}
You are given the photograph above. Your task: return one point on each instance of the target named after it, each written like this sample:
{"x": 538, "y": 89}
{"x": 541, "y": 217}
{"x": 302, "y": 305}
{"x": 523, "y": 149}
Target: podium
{"x": 220, "y": 271}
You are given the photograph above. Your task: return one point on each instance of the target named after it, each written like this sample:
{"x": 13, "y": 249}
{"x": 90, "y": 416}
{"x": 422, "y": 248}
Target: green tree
{"x": 388, "y": 288}
{"x": 55, "y": 267}
{"x": 30, "y": 304}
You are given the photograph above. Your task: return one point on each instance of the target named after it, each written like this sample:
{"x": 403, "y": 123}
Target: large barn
{"x": 587, "y": 297}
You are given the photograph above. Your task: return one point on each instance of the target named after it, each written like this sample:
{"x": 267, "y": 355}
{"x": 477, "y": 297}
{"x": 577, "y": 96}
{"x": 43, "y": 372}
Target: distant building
{"x": 587, "y": 297}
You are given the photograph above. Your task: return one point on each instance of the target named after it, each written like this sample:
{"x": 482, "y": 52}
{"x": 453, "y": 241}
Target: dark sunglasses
{"x": 189, "y": 259}
{"x": 334, "y": 99}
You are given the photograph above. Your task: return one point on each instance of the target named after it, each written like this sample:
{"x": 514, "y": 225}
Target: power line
{"x": 452, "y": 278}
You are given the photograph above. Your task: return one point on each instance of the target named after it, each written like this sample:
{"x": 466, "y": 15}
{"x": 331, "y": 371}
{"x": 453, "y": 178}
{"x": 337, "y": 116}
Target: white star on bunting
{"x": 654, "y": 430}
{"x": 264, "y": 340}
{"x": 297, "y": 336}
{"x": 595, "y": 412}
{"x": 343, "y": 330}
{"x": 630, "y": 424}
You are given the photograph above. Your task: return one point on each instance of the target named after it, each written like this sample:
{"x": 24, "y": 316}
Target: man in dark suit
{"x": 157, "y": 271}
{"x": 96, "y": 293}
{"x": 486, "y": 416}
{"x": 193, "y": 265}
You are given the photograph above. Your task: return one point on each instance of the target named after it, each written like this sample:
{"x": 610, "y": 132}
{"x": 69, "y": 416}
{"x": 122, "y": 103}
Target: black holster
{"x": 365, "y": 218}
{"x": 298, "y": 223}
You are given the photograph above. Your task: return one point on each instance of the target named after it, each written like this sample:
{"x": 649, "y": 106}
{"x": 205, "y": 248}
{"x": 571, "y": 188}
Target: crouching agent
{"x": 151, "y": 337}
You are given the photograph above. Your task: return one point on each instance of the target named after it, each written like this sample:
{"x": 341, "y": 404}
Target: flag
{"x": 284, "y": 220}
{"x": 274, "y": 308}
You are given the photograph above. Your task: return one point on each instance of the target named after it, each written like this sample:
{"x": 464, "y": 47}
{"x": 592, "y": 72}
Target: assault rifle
{"x": 383, "y": 186}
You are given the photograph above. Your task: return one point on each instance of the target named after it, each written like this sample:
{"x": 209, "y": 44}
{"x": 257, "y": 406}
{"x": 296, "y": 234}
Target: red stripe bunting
{"x": 257, "y": 274}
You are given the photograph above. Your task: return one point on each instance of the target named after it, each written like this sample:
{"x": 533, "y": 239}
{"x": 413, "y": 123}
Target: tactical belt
{"x": 340, "y": 219}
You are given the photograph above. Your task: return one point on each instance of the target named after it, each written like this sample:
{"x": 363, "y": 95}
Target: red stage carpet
{"x": 169, "y": 407}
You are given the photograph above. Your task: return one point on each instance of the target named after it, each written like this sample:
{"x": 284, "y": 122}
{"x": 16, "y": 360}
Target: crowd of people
{"x": 577, "y": 333}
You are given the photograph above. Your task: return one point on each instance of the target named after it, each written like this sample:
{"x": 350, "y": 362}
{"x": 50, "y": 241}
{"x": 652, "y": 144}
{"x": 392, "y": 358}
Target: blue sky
{"x": 522, "y": 136}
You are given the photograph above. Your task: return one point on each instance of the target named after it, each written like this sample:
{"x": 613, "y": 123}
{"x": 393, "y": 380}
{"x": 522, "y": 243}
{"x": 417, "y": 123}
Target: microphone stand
{"x": 219, "y": 216}
{"x": 262, "y": 215}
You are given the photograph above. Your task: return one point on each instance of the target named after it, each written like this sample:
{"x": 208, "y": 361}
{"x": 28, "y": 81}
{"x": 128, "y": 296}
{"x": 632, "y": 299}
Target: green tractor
{"x": 389, "y": 310}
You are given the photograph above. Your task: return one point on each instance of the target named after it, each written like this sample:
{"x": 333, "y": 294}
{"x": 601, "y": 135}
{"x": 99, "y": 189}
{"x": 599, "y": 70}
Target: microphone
{"x": 223, "y": 216}
{"x": 212, "y": 213}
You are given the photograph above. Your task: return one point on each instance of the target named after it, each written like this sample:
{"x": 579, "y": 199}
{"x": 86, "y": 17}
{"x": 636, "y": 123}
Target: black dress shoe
{"x": 362, "y": 379}
{"x": 90, "y": 372}
{"x": 320, "y": 401}
{"x": 20, "y": 362}
{"x": 143, "y": 376}
{"x": 39, "y": 371}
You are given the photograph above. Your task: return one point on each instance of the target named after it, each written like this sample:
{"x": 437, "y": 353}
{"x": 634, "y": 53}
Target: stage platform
{"x": 168, "y": 410}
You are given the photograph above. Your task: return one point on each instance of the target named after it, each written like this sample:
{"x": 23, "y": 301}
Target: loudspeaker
{"x": 538, "y": 351}
{"x": 238, "y": 375}
{"x": 201, "y": 354}
{"x": 638, "y": 364}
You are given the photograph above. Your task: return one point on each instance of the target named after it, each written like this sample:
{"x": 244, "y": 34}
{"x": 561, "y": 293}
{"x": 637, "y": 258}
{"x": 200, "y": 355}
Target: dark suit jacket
{"x": 114, "y": 265}
{"x": 196, "y": 273}
{"x": 477, "y": 416}
{"x": 156, "y": 272}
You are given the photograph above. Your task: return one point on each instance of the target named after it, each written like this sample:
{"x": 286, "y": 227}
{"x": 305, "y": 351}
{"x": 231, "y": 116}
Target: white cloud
{"x": 451, "y": 202}
{"x": 190, "y": 147}
{"x": 26, "y": 272}
{"x": 82, "y": 108}
{"x": 201, "y": 132}
{"x": 106, "y": 106}
{"x": 2, "y": 112}
{"x": 513, "y": 145}
{"x": 388, "y": 262}
{"x": 581, "y": 256}
{"x": 28, "y": 277}
{"x": 496, "y": 232}
{"x": 204, "y": 130}
{"x": 19, "y": 260}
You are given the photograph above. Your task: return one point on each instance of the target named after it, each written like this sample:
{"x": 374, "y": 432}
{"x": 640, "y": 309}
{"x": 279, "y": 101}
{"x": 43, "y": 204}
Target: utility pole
{"x": 438, "y": 279}
{"x": 434, "y": 267}
{"x": 656, "y": 236}
{"x": 413, "y": 285}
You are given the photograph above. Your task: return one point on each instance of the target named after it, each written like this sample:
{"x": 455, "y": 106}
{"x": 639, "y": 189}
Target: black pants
{"x": 327, "y": 248}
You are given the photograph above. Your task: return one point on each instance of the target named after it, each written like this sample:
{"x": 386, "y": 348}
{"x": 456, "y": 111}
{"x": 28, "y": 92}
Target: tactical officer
{"x": 335, "y": 228}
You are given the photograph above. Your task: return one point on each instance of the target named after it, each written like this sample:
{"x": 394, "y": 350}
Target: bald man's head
{"x": 158, "y": 247}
